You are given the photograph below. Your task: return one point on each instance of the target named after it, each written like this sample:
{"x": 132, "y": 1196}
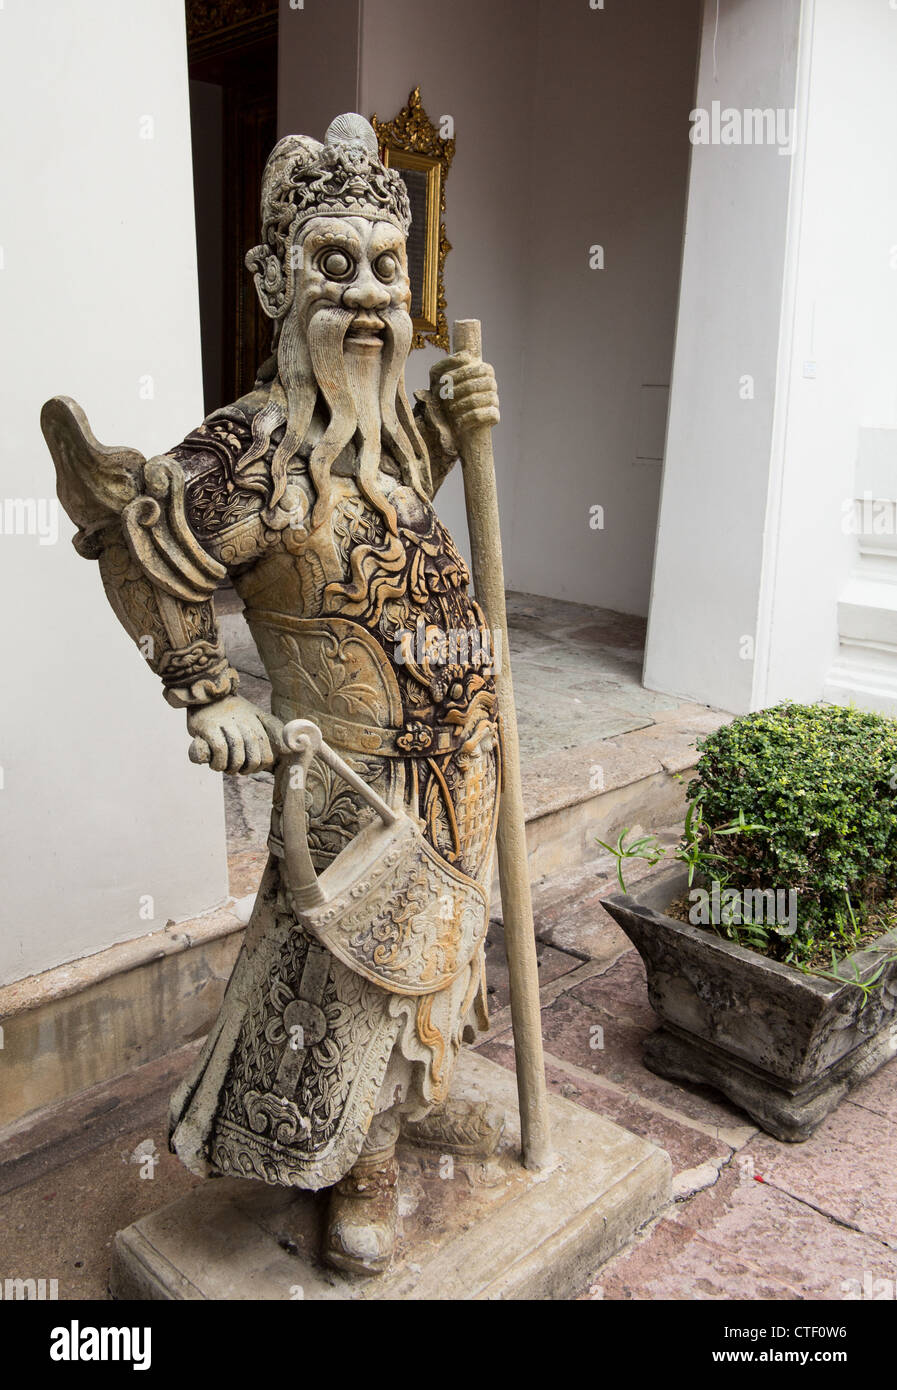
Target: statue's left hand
{"x": 234, "y": 735}
{"x": 464, "y": 392}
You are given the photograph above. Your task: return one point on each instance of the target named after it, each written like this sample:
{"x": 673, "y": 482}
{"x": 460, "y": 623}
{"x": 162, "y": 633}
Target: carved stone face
{"x": 342, "y": 343}
{"x": 353, "y": 264}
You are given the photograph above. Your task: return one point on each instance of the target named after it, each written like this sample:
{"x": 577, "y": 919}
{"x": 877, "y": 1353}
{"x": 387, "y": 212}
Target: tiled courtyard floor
{"x": 753, "y": 1218}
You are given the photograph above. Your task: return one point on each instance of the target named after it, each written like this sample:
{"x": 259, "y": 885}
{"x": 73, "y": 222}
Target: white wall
{"x": 99, "y": 805}
{"x": 708, "y": 566}
{"x": 475, "y": 63}
{"x": 841, "y": 314}
{"x": 318, "y": 59}
{"x": 613, "y": 89}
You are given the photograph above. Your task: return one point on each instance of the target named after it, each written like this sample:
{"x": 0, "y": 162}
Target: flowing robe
{"x": 369, "y": 631}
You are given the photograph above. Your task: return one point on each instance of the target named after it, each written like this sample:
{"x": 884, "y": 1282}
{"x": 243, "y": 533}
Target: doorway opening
{"x": 233, "y": 115}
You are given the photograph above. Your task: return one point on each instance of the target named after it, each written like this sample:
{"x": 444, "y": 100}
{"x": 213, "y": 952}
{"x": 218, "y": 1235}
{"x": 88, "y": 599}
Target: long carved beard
{"x": 365, "y": 396}
{"x": 350, "y": 384}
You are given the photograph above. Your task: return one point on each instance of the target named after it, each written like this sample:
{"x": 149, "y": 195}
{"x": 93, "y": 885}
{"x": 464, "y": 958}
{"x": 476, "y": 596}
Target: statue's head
{"x": 340, "y": 189}
{"x": 332, "y": 274}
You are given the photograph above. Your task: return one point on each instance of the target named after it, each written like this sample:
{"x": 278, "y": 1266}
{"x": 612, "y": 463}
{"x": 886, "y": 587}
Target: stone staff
{"x": 481, "y": 501}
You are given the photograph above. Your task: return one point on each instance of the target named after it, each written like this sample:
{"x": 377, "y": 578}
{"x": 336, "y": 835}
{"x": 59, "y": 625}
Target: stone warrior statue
{"x": 362, "y": 970}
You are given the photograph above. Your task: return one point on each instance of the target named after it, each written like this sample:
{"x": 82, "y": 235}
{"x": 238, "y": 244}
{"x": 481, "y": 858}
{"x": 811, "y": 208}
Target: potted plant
{"x": 770, "y": 944}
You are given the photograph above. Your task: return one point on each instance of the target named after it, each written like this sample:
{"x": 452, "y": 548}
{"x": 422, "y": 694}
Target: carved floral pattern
{"x": 314, "y": 1137}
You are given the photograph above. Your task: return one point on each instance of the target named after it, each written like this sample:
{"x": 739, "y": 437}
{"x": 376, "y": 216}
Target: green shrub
{"x": 822, "y": 781}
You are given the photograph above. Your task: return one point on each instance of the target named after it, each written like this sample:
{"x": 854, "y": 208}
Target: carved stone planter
{"x": 784, "y": 1046}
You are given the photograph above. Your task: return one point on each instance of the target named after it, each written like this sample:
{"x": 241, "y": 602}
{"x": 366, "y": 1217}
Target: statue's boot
{"x": 466, "y": 1128}
{"x": 361, "y": 1219}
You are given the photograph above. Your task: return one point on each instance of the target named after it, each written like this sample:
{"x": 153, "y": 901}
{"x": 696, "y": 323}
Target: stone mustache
{"x": 362, "y": 969}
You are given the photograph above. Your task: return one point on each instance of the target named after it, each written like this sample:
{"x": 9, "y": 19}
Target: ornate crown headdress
{"x": 344, "y": 177}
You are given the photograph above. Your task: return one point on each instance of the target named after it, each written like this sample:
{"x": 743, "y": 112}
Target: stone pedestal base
{"x": 789, "y": 1115}
{"x": 468, "y": 1228}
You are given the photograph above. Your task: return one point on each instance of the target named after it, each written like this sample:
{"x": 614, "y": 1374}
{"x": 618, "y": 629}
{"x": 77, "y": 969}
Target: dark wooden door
{"x": 238, "y": 64}
{"x": 251, "y": 120}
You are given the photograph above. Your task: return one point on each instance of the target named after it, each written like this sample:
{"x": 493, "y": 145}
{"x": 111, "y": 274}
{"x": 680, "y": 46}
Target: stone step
{"x": 594, "y": 791}
{"x": 575, "y": 936}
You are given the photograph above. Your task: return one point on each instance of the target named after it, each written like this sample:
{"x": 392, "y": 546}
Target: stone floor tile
{"x": 745, "y": 1239}
{"x": 552, "y": 964}
{"x": 61, "y": 1226}
{"x": 670, "y": 1266}
{"x": 688, "y": 1148}
{"x": 621, "y": 992}
{"x": 568, "y": 915}
{"x": 257, "y": 689}
{"x": 879, "y": 1092}
{"x": 245, "y": 869}
{"x": 247, "y": 811}
{"x": 244, "y": 657}
{"x": 847, "y": 1169}
{"x": 589, "y": 1037}
{"x": 563, "y": 777}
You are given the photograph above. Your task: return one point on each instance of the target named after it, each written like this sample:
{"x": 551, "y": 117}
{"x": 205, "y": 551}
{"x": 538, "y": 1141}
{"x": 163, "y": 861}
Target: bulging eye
{"x": 336, "y": 265}
{"x": 386, "y": 267}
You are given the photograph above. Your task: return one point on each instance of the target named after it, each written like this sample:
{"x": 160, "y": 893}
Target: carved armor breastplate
{"x": 395, "y": 665}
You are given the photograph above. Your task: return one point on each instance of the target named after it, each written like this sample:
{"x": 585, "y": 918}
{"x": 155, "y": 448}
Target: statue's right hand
{"x": 234, "y": 735}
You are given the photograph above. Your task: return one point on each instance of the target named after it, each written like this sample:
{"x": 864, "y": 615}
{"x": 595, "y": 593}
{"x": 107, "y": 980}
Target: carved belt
{"x": 298, "y": 651}
{"x": 411, "y": 740}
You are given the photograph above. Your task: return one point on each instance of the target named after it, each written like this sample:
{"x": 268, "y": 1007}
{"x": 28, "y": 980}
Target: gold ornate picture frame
{"x": 413, "y": 146}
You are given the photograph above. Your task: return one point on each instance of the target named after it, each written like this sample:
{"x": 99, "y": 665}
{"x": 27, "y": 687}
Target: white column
{"x": 106, "y": 829}
{"x": 831, "y": 568}
{"x": 703, "y": 627}
{"x": 766, "y": 586}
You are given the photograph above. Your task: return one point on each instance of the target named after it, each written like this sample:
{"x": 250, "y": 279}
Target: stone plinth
{"x": 469, "y": 1229}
